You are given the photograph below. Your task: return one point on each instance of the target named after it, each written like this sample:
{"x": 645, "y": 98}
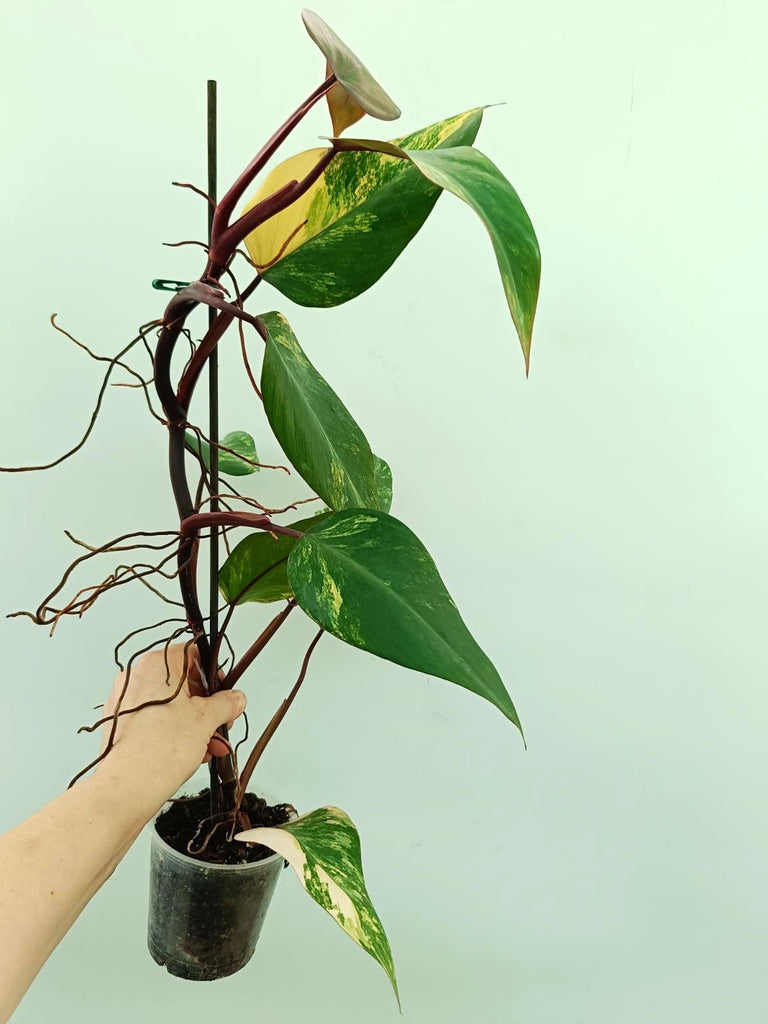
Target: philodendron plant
{"x": 321, "y": 228}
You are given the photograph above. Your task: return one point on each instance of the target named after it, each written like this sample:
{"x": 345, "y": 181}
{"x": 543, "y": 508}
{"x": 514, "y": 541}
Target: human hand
{"x": 166, "y": 743}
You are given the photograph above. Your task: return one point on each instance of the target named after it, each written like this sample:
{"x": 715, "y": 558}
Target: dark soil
{"x": 181, "y": 824}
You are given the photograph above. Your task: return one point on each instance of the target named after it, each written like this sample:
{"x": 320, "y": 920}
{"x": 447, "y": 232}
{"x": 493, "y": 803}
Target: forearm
{"x": 53, "y": 863}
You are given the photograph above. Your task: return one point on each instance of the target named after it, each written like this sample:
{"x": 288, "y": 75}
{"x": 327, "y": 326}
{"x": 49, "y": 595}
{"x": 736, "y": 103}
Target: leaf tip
{"x": 509, "y": 711}
{"x": 516, "y": 721}
{"x": 397, "y": 996}
{"x": 525, "y": 345}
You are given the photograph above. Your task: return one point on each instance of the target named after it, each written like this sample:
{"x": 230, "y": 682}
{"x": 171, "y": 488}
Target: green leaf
{"x": 383, "y": 476}
{"x": 256, "y": 570}
{"x": 323, "y": 848}
{"x": 314, "y": 428}
{"x": 349, "y": 228}
{"x": 350, "y": 71}
{"x": 471, "y": 176}
{"x": 239, "y": 464}
{"x": 365, "y": 577}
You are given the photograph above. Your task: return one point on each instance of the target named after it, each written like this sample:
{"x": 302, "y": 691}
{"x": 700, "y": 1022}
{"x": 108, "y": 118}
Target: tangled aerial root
{"x": 113, "y": 361}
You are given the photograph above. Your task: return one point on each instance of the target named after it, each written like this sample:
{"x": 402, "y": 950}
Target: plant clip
{"x": 168, "y": 286}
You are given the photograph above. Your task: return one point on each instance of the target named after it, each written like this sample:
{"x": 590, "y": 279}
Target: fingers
{"x": 217, "y": 747}
{"x": 196, "y": 713}
{"x": 217, "y": 707}
{"x": 236, "y": 701}
{"x": 195, "y": 681}
{"x": 167, "y": 667}
{"x": 224, "y": 706}
{"x": 161, "y": 668}
{"x": 175, "y": 662}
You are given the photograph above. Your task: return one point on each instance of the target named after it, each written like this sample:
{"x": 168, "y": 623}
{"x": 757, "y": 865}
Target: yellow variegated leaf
{"x": 353, "y": 223}
{"x": 280, "y": 235}
{"x": 323, "y": 848}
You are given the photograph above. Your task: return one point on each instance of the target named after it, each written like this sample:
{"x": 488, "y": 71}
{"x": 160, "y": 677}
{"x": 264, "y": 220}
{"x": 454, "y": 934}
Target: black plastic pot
{"x": 205, "y": 919}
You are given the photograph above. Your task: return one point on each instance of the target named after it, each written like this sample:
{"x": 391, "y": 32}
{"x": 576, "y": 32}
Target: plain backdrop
{"x": 601, "y": 526}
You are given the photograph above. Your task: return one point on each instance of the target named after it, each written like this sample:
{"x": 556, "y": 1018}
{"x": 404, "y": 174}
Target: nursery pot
{"x": 205, "y": 919}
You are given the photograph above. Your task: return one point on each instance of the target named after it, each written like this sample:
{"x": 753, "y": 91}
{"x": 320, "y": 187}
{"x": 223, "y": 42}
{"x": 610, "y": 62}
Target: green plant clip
{"x": 163, "y": 285}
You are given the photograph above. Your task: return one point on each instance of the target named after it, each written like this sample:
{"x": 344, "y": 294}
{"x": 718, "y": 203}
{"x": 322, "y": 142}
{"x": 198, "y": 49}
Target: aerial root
{"x": 194, "y": 188}
{"x": 135, "y": 632}
{"x": 236, "y": 496}
{"x": 113, "y": 362}
{"x": 283, "y": 247}
{"x": 241, "y": 332}
{"x": 116, "y": 714}
{"x": 201, "y": 849}
{"x": 187, "y": 241}
{"x": 48, "y": 615}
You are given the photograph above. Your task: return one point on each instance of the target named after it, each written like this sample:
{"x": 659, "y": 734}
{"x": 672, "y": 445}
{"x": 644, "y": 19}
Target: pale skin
{"x": 54, "y": 862}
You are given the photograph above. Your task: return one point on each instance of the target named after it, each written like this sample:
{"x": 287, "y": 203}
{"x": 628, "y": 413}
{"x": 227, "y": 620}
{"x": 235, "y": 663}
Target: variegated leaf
{"x": 256, "y": 569}
{"x": 365, "y": 577}
{"x": 383, "y": 476}
{"x": 471, "y": 176}
{"x": 239, "y": 464}
{"x": 323, "y": 848}
{"x": 348, "y": 229}
{"x": 350, "y": 71}
{"x": 314, "y": 428}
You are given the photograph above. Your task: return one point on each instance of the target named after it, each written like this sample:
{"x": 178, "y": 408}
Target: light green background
{"x": 601, "y": 526}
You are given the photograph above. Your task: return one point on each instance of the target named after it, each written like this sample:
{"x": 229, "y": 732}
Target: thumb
{"x": 224, "y": 706}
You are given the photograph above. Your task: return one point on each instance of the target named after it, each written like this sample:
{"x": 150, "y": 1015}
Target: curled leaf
{"x": 350, "y": 73}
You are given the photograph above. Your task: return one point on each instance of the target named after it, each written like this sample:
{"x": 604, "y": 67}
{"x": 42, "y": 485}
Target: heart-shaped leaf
{"x": 323, "y": 848}
{"x": 350, "y": 71}
{"x": 256, "y": 569}
{"x": 239, "y": 461}
{"x": 471, "y": 176}
{"x": 313, "y": 426}
{"x": 365, "y": 577}
{"x": 349, "y": 228}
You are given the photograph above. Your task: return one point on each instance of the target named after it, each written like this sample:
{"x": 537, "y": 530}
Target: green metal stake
{"x": 213, "y": 389}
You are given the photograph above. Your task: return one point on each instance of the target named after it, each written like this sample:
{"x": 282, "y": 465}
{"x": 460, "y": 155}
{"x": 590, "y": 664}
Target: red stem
{"x": 229, "y": 239}
{"x": 257, "y": 646}
{"x": 199, "y": 520}
{"x": 225, "y": 209}
{"x": 223, "y": 242}
{"x": 279, "y": 715}
{"x": 207, "y": 345}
